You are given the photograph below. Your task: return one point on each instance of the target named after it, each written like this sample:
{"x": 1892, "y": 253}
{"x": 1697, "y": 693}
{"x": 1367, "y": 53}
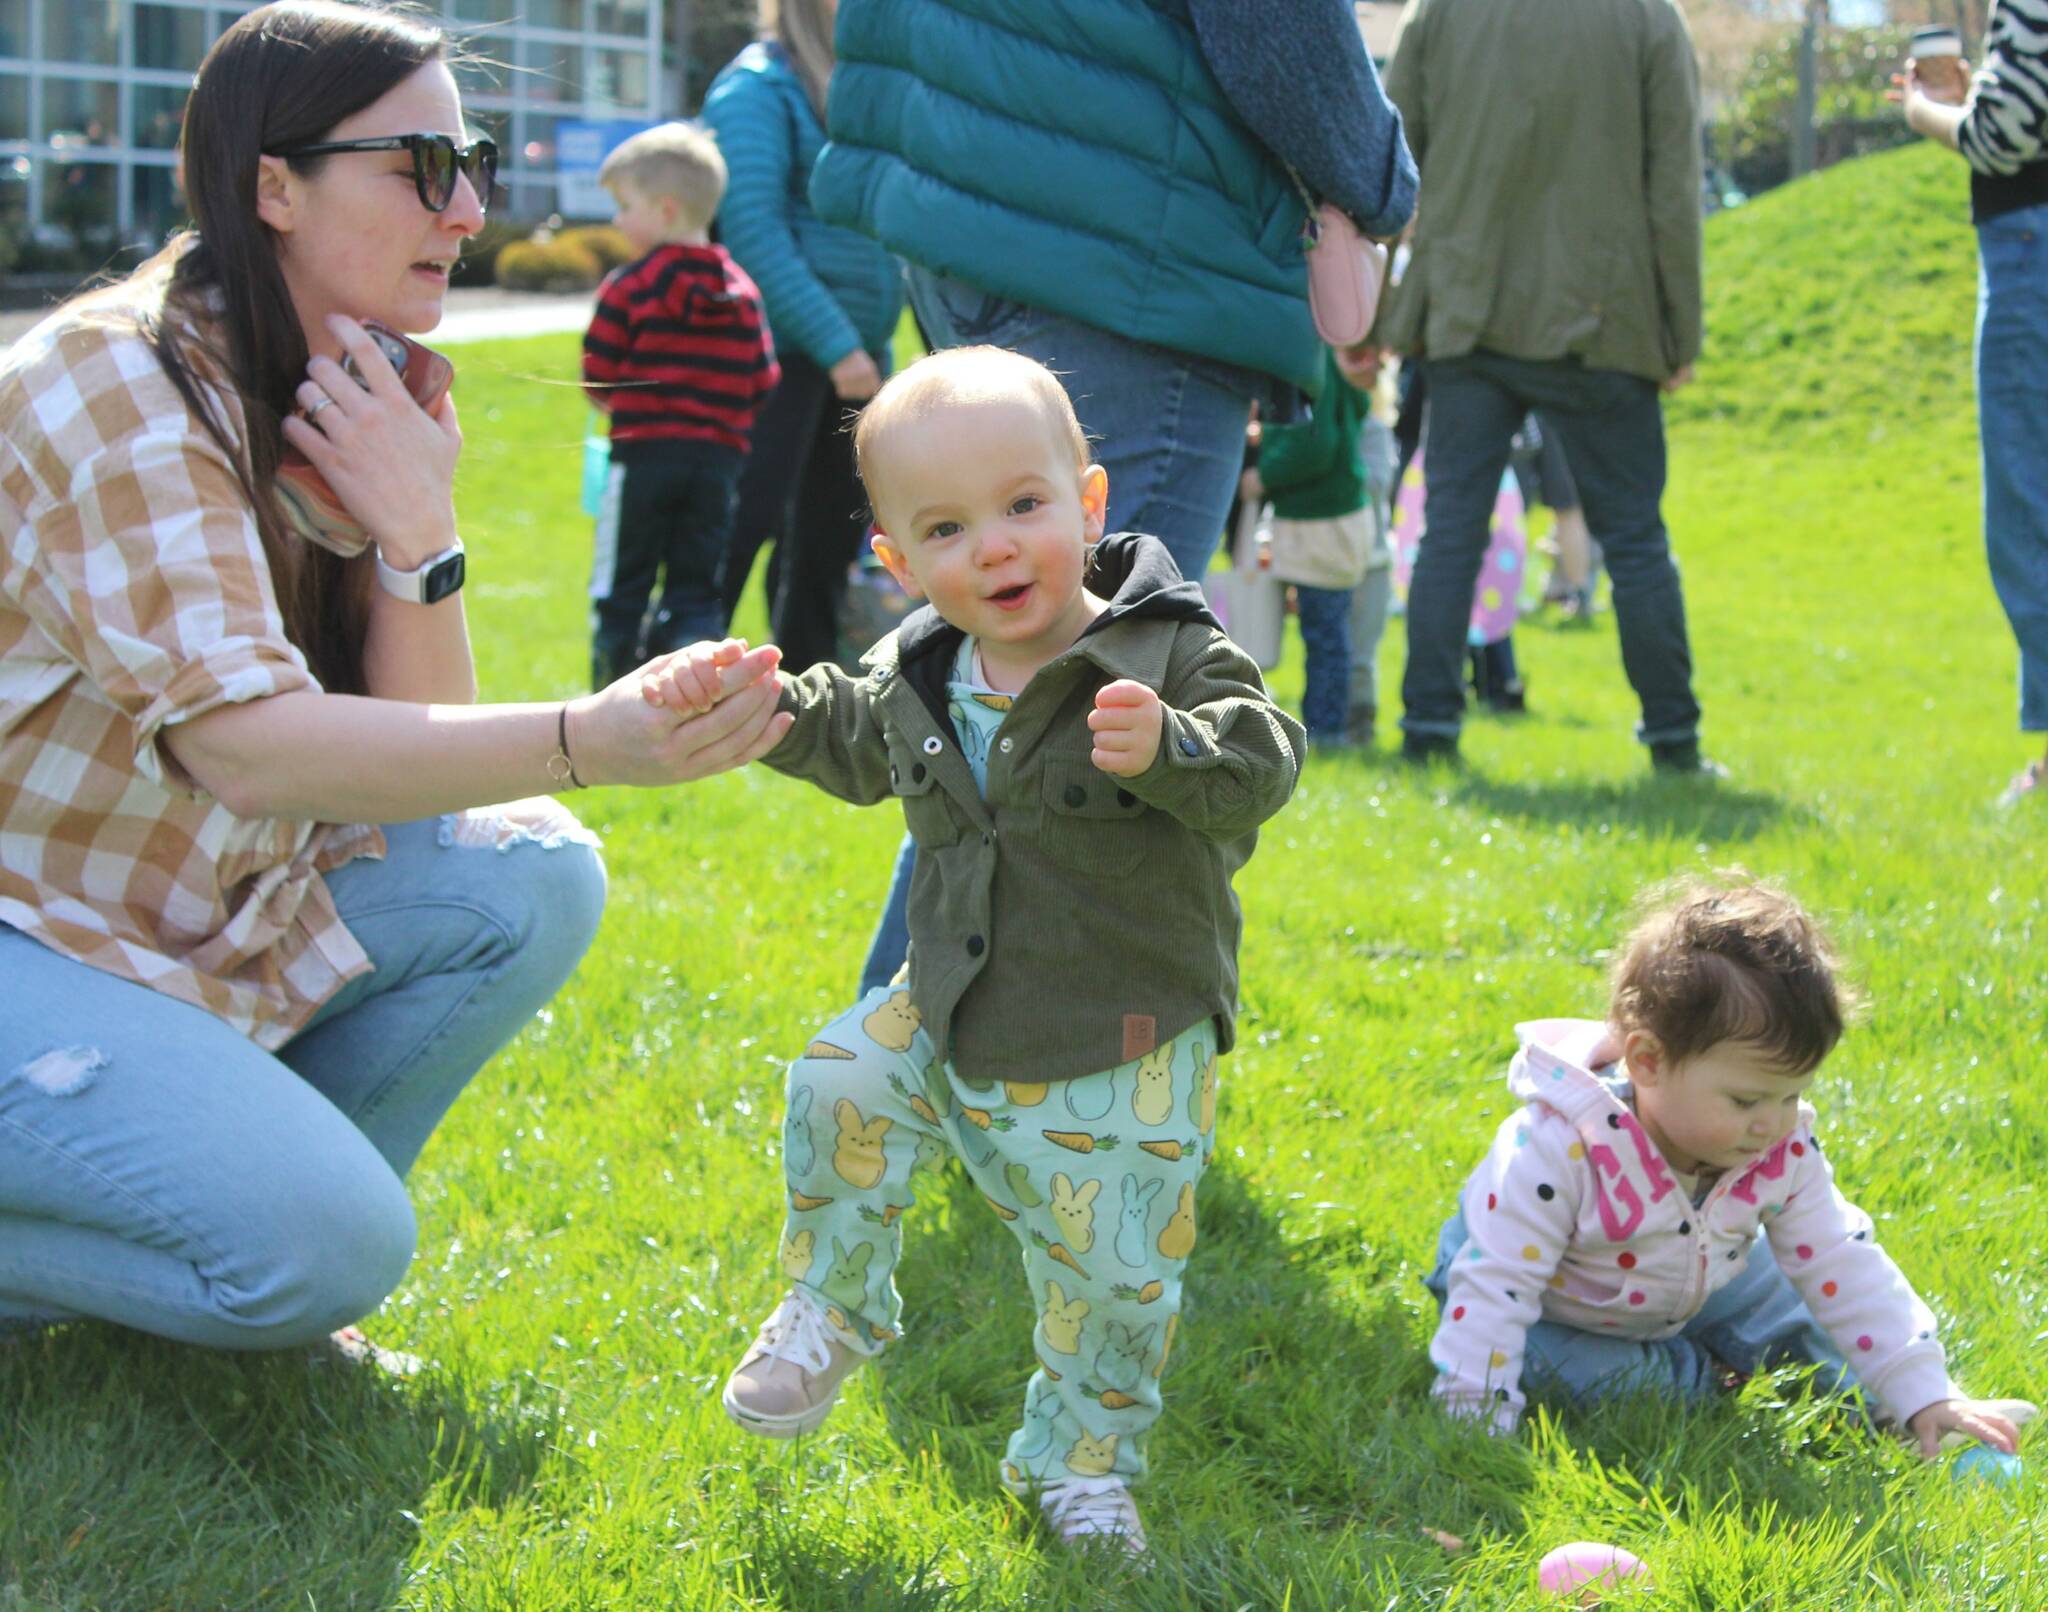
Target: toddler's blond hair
{"x": 680, "y": 161}
{"x": 964, "y": 375}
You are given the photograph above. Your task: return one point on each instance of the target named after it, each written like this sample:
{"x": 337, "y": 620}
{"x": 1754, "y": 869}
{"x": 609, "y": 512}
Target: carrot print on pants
{"x": 1094, "y": 1177}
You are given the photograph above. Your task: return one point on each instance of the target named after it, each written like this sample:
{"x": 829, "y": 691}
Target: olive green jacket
{"x": 1560, "y": 152}
{"x": 1071, "y": 920}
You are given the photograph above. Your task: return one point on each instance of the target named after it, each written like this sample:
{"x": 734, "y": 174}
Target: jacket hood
{"x": 1134, "y": 572}
{"x": 1552, "y": 1069}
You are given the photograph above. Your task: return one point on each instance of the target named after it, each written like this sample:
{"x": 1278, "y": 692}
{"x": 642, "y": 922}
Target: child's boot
{"x": 1084, "y": 1511}
{"x": 789, "y": 1380}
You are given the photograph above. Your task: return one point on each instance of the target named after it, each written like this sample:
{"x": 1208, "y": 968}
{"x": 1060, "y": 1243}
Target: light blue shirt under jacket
{"x": 827, "y": 289}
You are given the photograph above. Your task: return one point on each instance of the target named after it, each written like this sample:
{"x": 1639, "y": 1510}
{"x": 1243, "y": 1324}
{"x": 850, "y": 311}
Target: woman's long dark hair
{"x": 283, "y": 75}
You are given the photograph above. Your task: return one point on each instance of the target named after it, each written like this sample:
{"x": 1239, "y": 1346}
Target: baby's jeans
{"x": 1756, "y": 1322}
{"x": 1095, "y": 1177}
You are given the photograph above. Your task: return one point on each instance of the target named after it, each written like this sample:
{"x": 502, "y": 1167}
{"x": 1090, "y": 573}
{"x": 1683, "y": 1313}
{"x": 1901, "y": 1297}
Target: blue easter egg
{"x": 1985, "y": 1464}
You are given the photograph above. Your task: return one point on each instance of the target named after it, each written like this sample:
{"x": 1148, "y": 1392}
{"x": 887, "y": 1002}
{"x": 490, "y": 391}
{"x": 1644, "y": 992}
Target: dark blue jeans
{"x": 1612, "y": 427}
{"x": 1325, "y": 615}
{"x": 666, "y": 512}
{"x": 1758, "y": 1322}
{"x": 2012, "y": 418}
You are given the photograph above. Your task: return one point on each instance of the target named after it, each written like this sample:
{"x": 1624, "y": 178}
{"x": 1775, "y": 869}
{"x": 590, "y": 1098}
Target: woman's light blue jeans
{"x": 2012, "y": 416}
{"x": 172, "y": 1176}
{"x": 1167, "y": 426}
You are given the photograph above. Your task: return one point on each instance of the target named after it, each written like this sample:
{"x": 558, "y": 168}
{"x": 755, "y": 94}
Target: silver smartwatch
{"x": 431, "y": 581}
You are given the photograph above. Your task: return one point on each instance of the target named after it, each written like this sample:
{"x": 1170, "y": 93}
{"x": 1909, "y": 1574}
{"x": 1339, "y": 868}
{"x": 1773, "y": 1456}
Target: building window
{"x": 82, "y": 31}
{"x": 159, "y": 114}
{"x": 554, "y": 14}
{"x": 158, "y": 207}
{"x": 484, "y": 75}
{"x": 493, "y": 126}
{"x": 619, "y": 17}
{"x": 618, "y": 78}
{"x": 14, "y": 28}
{"x": 13, "y": 107}
{"x": 539, "y": 150}
{"x": 170, "y": 38}
{"x": 13, "y": 193}
{"x": 80, "y": 112}
{"x": 79, "y": 197}
{"x": 554, "y": 72}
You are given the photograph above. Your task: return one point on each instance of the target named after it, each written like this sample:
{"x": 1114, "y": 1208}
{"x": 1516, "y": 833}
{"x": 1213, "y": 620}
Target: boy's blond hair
{"x": 680, "y": 161}
{"x": 957, "y": 375}
{"x": 1731, "y": 959}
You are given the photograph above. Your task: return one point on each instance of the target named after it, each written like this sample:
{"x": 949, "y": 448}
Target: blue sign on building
{"x": 580, "y": 150}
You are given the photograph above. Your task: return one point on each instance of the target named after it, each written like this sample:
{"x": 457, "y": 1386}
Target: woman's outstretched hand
{"x": 390, "y": 463}
{"x": 620, "y": 736}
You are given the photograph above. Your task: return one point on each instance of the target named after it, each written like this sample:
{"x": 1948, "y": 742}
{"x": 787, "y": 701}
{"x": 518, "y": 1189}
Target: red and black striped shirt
{"x": 679, "y": 347}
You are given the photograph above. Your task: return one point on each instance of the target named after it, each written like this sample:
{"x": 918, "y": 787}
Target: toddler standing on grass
{"x": 1084, "y": 759}
{"x": 678, "y": 354}
{"x": 1325, "y": 540}
{"x": 1662, "y": 1226}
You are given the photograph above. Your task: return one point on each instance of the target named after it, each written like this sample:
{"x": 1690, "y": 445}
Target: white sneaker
{"x": 790, "y": 1378}
{"x": 1082, "y": 1511}
{"x": 350, "y": 1346}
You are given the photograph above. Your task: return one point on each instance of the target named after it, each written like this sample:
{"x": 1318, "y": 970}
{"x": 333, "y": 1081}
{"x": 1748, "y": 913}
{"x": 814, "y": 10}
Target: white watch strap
{"x": 411, "y": 585}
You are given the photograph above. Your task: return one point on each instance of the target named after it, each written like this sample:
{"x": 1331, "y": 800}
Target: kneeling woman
{"x": 234, "y": 1007}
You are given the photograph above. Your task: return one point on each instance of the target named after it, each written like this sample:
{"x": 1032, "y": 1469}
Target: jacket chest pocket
{"x": 927, "y": 813}
{"x": 1090, "y": 820}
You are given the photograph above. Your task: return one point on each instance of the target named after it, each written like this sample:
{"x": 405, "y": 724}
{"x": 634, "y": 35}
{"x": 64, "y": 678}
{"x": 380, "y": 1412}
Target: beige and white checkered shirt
{"x": 134, "y": 595}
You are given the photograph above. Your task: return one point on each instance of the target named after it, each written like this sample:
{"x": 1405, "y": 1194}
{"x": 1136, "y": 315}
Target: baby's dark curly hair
{"x": 1732, "y": 960}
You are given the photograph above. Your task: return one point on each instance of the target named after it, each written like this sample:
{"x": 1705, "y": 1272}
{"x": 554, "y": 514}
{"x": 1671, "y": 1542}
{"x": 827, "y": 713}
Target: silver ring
{"x": 325, "y": 402}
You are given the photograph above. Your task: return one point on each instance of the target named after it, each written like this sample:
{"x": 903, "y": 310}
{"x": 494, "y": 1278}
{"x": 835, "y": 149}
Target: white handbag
{"x": 1248, "y": 599}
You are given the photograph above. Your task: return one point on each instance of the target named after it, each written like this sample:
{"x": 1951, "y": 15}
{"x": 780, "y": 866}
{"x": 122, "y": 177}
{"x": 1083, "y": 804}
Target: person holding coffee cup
{"x": 1998, "y": 122}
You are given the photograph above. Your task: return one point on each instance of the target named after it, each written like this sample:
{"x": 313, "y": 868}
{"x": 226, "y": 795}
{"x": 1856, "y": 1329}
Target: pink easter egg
{"x": 1587, "y": 1568}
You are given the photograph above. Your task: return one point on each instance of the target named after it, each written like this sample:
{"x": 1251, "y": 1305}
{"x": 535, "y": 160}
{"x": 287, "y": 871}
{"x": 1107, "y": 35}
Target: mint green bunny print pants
{"x": 1096, "y": 1178}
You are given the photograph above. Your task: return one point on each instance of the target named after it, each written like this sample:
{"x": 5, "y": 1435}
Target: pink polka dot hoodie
{"x": 1574, "y": 1217}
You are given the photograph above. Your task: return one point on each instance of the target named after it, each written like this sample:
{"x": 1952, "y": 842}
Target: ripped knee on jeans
{"x": 539, "y": 820}
{"x": 63, "y": 1071}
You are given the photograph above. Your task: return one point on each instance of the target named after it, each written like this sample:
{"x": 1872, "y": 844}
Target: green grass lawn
{"x": 599, "y": 1214}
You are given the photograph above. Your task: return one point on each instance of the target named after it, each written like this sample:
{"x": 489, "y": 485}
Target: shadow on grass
{"x": 146, "y": 1473}
{"x": 1291, "y": 1420}
{"x": 1677, "y": 808}
{"x": 1300, "y": 1460}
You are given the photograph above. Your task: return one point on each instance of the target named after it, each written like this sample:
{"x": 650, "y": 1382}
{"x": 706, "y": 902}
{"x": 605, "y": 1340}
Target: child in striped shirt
{"x": 679, "y": 354}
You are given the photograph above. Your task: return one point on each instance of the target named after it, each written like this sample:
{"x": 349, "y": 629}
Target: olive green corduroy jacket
{"x": 1070, "y": 920}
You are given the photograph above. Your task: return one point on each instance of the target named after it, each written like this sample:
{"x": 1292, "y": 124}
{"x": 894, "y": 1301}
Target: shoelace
{"x": 1085, "y": 1506}
{"x": 796, "y": 1332}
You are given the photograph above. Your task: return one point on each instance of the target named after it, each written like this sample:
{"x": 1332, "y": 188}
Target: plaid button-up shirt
{"x": 134, "y": 595}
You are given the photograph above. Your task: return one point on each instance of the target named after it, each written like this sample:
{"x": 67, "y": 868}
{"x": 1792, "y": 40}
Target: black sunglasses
{"x": 436, "y": 160}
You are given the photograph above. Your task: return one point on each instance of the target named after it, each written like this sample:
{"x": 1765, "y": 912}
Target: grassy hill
{"x": 1842, "y": 303}
{"x": 599, "y": 1213}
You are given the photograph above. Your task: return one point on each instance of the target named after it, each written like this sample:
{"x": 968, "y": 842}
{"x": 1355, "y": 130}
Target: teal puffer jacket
{"x": 828, "y": 290}
{"x": 1077, "y": 155}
